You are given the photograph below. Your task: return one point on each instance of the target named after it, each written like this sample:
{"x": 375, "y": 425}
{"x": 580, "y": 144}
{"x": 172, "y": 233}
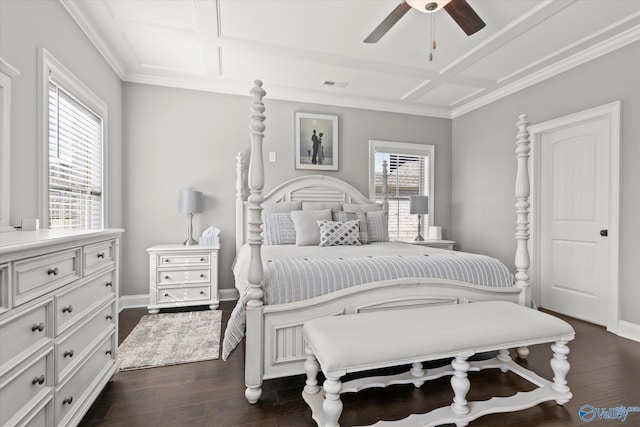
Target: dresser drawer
{"x": 28, "y": 385}
{"x": 36, "y": 276}
{"x": 41, "y": 416}
{"x": 183, "y": 294}
{"x": 80, "y": 299}
{"x": 73, "y": 347}
{"x": 169, "y": 259}
{"x": 98, "y": 256}
{"x": 24, "y": 333}
{"x": 187, "y": 276}
{"x": 69, "y": 396}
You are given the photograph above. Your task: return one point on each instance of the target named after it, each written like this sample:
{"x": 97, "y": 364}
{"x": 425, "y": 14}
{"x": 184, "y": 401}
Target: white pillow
{"x": 314, "y": 206}
{"x": 306, "y": 224}
{"x": 271, "y": 208}
{"x": 361, "y": 208}
{"x": 335, "y": 233}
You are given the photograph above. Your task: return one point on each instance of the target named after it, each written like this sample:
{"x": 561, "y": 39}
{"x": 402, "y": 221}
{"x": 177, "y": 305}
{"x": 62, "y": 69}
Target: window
{"x": 409, "y": 173}
{"x": 73, "y": 135}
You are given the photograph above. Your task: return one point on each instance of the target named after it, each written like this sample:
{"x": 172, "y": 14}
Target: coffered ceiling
{"x": 313, "y": 50}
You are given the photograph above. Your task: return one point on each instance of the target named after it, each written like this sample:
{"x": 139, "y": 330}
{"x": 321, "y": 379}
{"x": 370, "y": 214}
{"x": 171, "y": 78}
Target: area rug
{"x": 170, "y": 339}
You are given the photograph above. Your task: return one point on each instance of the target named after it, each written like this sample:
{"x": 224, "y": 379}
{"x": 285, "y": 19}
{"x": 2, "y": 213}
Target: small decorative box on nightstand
{"x": 442, "y": 244}
{"x": 182, "y": 276}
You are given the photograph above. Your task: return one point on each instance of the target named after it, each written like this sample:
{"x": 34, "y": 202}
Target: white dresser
{"x": 182, "y": 276}
{"x": 58, "y": 323}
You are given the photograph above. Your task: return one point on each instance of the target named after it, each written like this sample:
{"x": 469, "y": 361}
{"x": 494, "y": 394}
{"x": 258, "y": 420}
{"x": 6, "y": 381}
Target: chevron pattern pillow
{"x": 335, "y": 233}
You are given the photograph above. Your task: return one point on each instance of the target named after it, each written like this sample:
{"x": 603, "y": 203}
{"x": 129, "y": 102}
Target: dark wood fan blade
{"x": 388, "y": 22}
{"x": 465, "y": 16}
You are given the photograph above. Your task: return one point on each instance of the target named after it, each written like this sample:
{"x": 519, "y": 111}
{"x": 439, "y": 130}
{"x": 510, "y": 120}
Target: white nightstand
{"x": 182, "y": 276}
{"x": 442, "y": 244}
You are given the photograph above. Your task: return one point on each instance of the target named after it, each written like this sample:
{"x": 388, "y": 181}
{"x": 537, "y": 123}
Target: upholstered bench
{"x": 353, "y": 343}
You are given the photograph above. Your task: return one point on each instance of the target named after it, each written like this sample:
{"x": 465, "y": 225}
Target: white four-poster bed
{"x": 274, "y": 347}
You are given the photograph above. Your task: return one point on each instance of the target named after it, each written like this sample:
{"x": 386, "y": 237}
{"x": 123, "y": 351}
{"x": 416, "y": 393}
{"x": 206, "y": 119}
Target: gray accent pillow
{"x": 279, "y": 229}
{"x": 361, "y": 208}
{"x": 378, "y": 226}
{"x": 342, "y": 216}
{"x": 336, "y": 233}
{"x": 306, "y": 224}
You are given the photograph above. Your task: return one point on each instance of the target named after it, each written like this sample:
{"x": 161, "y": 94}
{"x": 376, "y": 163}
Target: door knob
{"x": 604, "y": 233}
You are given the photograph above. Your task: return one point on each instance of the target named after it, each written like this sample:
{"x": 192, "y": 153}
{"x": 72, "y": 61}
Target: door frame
{"x": 612, "y": 113}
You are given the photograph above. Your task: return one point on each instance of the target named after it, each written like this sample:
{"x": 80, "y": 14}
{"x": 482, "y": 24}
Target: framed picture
{"x": 316, "y": 142}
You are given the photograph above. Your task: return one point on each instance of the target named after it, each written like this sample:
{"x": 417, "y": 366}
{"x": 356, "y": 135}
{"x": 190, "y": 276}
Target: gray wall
{"x": 484, "y": 166}
{"x": 189, "y": 139}
{"x": 26, "y": 26}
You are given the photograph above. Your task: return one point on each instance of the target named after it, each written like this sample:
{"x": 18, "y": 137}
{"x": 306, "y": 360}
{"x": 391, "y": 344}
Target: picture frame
{"x": 316, "y": 141}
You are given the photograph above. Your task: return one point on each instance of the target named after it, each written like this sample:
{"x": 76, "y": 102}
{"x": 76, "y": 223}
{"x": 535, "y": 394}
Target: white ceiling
{"x": 293, "y": 46}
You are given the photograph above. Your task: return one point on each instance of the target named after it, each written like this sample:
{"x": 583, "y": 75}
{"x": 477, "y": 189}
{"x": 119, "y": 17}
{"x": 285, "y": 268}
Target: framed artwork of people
{"x": 316, "y": 141}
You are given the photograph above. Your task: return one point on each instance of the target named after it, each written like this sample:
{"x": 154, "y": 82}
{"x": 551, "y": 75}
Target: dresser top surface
{"x": 12, "y": 241}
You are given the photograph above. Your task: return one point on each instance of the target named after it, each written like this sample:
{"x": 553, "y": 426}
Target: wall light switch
{"x": 272, "y": 156}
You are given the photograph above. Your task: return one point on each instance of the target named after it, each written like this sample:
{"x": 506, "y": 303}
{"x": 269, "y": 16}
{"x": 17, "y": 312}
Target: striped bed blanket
{"x": 297, "y": 273}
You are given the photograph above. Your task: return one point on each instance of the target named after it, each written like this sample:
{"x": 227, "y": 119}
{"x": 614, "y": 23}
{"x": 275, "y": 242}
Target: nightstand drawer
{"x": 23, "y": 334}
{"x": 36, "y": 276}
{"x": 81, "y": 299}
{"x": 74, "y": 346}
{"x": 167, "y": 260}
{"x": 182, "y": 294}
{"x": 32, "y": 382}
{"x": 171, "y": 277}
{"x": 98, "y": 256}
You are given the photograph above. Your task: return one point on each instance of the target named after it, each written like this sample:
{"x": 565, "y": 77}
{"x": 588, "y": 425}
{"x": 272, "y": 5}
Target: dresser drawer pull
{"x": 202, "y": 259}
{"x": 202, "y": 275}
{"x": 166, "y": 277}
{"x": 201, "y": 292}
{"x": 53, "y": 271}
{"x": 68, "y": 353}
{"x": 67, "y": 400}
{"x": 108, "y": 284}
{"x": 108, "y": 352}
{"x": 167, "y": 260}
{"x": 38, "y": 380}
{"x": 100, "y": 254}
{"x": 67, "y": 309}
{"x": 166, "y": 294}
{"x": 39, "y": 327}
{"x": 108, "y": 317}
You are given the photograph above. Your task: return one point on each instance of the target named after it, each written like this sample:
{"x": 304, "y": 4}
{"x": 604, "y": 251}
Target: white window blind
{"x": 407, "y": 176}
{"x": 75, "y": 163}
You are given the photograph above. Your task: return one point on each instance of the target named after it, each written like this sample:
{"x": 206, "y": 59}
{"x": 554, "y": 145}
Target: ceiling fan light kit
{"x": 428, "y": 6}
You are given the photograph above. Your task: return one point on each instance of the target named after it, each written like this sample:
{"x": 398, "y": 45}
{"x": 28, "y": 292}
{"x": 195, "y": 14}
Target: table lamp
{"x": 190, "y": 202}
{"x": 419, "y": 205}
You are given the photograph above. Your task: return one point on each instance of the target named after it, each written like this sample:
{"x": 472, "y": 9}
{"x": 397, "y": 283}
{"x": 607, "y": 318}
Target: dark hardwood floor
{"x": 605, "y": 373}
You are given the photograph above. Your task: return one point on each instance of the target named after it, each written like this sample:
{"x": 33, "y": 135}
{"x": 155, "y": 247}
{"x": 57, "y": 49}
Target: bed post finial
{"x": 385, "y": 186}
{"x": 254, "y": 346}
{"x": 522, "y": 209}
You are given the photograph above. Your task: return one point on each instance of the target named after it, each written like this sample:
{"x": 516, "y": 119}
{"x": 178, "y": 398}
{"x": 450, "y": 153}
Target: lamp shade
{"x": 418, "y": 205}
{"x": 190, "y": 201}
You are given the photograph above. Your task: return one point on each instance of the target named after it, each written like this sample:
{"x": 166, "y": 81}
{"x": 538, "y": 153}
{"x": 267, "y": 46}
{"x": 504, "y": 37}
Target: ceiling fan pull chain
{"x": 433, "y": 36}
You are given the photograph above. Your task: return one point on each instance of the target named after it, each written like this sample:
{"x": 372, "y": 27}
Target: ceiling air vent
{"x": 334, "y": 84}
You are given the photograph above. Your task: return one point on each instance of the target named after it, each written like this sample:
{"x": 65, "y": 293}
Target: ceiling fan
{"x": 459, "y": 10}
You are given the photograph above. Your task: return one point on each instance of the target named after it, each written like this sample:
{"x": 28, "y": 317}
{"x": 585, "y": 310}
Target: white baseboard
{"x": 135, "y": 301}
{"x": 629, "y": 330}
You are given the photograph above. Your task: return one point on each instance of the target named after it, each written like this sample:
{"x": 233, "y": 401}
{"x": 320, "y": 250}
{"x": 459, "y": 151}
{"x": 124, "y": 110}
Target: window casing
{"x": 409, "y": 172}
{"x": 73, "y": 121}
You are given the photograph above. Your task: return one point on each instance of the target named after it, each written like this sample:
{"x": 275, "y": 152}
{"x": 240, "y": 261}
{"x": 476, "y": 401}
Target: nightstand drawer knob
{"x": 38, "y": 380}
{"x": 108, "y": 284}
{"x": 39, "y": 327}
{"x": 67, "y": 309}
{"x": 100, "y": 254}
{"x": 201, "y": 292}
{"x": 53, "y": 271}
{"x": 67, "y": 400}
{"x": 68, "y": 353}
{"x": 108, "y": 352}
{"x": 166, "y": 277}
{"x": 202, "y": 259}
{"x": 166, "y": 294}
{"x": 202, "y": 275}
{"x": 108, "y": 317}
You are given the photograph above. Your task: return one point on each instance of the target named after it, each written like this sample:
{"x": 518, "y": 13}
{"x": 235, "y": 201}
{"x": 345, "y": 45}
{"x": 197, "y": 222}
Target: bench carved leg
{"x": 560, "y": 367}
{"x": 460, "y": 385}
{"x": 311, "y": 368}
{"x": 418, "y": 372}
{"x": 332, "y": 405}
{"x": 522, "y": 352}
{"x": 504, "y": 356}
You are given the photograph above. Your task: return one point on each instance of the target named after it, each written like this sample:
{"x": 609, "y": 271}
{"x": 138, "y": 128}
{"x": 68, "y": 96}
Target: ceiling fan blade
{"x": 388, "y": 22}
{"x": 465, "y": 16}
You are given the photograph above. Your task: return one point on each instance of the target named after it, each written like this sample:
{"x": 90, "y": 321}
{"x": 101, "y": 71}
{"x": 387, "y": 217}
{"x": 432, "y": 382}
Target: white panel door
{"x": 574, "y": 211}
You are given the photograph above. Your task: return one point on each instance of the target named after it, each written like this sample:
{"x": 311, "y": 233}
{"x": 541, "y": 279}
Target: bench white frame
{"x": 274, "y": 346}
